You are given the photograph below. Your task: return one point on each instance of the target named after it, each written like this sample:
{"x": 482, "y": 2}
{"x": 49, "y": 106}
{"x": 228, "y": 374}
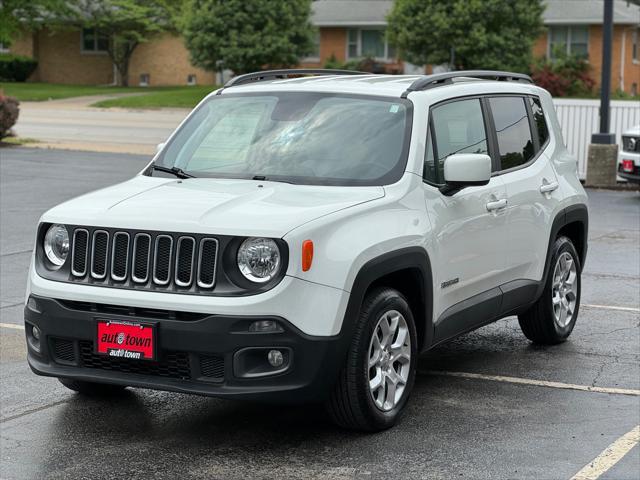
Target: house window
{"x": 191, "y": 79}
{"x": 4, "y": 48}
{"x": 144, "y": 80}
{"x": 635, "y": 54}
{"x": 315, "y": 51}
{"x": 574, "y": 40}
{"x": 369, "y": 43}
{"x": 93, "y": 41}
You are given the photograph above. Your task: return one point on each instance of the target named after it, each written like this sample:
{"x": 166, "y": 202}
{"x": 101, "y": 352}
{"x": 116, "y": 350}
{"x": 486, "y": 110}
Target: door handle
{"x": 548, "y": 187}
{"x": 497, "y": 205}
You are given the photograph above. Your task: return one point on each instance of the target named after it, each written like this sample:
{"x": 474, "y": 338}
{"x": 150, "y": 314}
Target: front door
{"x": 470, "y": 226}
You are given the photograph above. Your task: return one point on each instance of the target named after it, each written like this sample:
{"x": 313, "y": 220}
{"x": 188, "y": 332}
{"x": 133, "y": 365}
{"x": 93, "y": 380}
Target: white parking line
{"x": 12, "y": 326}
{"x": 538, "y": 383}
{"x": 610, "y": 456}
{"x": 609, "y": 307}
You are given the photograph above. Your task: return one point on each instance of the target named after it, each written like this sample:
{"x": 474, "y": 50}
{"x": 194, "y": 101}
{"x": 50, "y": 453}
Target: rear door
{"x": 533, "y": 196}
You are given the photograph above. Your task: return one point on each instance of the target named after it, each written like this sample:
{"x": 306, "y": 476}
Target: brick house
{"x": 351, "y": 28}
{"x": 347, "y": 29}
{"x": 80, "y": 57}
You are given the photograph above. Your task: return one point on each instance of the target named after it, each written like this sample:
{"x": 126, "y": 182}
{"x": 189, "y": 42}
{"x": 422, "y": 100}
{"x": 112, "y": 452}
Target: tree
{"x": 247, "y": 35}
{"x": 126, "y": 24}
{"x": 18, "y": 14}
{"x": 486, "y": 34}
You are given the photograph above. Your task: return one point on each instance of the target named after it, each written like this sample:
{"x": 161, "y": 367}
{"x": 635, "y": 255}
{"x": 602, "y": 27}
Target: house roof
{"x": 327, "y": 13}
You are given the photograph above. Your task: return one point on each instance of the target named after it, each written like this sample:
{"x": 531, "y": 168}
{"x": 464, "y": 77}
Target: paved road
{"x": 71, "y": 123}
{"x": 474, "y": 428}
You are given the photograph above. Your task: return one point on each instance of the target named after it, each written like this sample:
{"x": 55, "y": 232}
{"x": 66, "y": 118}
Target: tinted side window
{"x": 513, "y": 131}
{"x": 459, "y": 128}
{"x": 538, "y": 118}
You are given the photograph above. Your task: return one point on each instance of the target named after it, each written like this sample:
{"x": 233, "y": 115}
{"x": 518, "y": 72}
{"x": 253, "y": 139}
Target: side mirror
{"x": 465, "y": 170}
{"x": 160, "y": 146}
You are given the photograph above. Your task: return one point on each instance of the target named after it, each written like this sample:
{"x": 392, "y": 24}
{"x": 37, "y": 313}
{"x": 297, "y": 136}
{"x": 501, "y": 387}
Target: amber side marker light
{"x": 307, "y": 255}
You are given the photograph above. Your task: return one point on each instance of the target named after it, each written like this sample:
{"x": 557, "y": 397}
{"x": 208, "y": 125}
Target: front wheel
{"x": 551, "y": 319}
{"x": 374, "y": 385}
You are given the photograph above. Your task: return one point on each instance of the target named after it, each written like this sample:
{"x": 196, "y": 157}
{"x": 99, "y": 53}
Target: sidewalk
{"x": 72, "y": 124}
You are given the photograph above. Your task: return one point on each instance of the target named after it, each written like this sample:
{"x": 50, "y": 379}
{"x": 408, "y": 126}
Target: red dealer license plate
{"x": 627, "y": 165}
{"x": 122, "y": 339}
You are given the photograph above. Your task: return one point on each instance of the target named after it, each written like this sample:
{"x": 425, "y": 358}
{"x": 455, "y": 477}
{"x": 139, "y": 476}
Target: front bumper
{"x": 195, "y": 353}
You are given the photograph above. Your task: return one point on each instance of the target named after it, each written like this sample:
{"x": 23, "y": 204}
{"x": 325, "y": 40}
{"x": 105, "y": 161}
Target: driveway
{"x": 73, "y": 124}
{"x": 488, "y": 405}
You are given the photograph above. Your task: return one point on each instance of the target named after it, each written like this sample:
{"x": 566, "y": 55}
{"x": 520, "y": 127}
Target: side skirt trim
{"x": 486, "y": 307}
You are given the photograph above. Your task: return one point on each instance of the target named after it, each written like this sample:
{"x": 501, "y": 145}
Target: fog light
{"x": 33, "y": 337}
{"x": 275, "y": 357}
{"x": 265, "y": 326}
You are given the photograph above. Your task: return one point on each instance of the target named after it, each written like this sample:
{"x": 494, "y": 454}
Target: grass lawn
{"x": 175, "y": 97}
{"x": 150, "y": 97}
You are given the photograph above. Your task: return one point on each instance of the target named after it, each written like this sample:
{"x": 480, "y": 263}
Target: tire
{"x": 352, "y": 404}
{"x": 543, "y": 322}
{"x": 92, "y": 389}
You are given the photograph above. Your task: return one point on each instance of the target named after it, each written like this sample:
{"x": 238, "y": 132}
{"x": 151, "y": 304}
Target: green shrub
{"x": 8, "y": 114}
{"x": 366, "y": 64}
{"x": 564, "y": 75}
{"x": 16, "y": 68}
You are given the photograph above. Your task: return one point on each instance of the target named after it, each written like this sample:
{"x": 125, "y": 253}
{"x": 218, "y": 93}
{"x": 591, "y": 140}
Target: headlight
{"x": 56, "y": 244}
{"x": 259, "y": 259}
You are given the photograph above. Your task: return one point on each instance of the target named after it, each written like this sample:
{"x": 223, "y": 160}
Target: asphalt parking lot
{"x": 486, "y": 406}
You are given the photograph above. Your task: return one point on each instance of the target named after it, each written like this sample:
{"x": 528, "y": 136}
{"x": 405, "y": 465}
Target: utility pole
{"x": 603, "y": 151}
{"x": 605, "y": 83}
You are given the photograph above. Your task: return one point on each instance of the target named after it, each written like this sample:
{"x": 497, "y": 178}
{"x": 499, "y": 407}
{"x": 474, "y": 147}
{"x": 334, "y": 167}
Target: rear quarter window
{"x": 538, "y": 119}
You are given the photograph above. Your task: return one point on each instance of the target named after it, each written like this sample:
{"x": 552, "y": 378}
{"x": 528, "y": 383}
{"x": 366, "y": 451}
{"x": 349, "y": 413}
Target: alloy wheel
{"x": 564, "y": 289}
{"x": 389, "y": 360}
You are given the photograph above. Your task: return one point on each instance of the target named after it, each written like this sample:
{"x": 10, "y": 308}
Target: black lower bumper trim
{"x": 194, "y": 356}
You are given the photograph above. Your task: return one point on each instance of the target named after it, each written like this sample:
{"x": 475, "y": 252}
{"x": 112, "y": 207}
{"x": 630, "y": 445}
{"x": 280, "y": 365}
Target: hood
{"x": 207, "y": 205}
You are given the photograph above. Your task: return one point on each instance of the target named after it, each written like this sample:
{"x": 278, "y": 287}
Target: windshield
{"x": 297, "y": 137}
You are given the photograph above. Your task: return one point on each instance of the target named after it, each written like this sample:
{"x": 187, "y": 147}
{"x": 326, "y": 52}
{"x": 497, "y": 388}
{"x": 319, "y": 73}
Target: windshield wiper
{"x": 178, "y": 172}
{"x": 264, "y": 178}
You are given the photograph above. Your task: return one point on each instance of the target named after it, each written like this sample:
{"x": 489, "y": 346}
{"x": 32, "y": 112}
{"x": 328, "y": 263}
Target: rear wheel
{"x": 91, "y": 388}
{"x": 374, "y": 385}
{"x": 552, "y": 318}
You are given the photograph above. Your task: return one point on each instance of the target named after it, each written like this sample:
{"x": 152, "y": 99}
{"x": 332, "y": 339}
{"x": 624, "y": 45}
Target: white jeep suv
{"x": 304, "y": 235}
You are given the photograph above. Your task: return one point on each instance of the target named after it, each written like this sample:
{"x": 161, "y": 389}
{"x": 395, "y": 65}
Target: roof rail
{"x": 286, "y": 73}
{"x": 430, "y": 81}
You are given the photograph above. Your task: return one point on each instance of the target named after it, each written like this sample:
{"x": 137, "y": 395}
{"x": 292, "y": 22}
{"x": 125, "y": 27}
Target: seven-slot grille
{"x": 143, "y": 259}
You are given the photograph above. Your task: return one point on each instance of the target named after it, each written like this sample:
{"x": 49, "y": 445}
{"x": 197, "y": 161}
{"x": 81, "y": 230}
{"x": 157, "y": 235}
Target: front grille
{"x": 630, "y": 144}
{"x": 63, "y": 350}
{"x": 151, "y": 260}
{"x": 207, "y": 263}
{"x": 212, "y": 367}
{"x": 99, "y": 252}
{"x": 141, "y": 257}
{"x": 120, "y": 256}
{"x": 162, "y": 259}
{"x": 184, "y": 261}
{"x": 132, "y": 312}
{"x": 171, "y": 364}
{"x": 80, "y": 252}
